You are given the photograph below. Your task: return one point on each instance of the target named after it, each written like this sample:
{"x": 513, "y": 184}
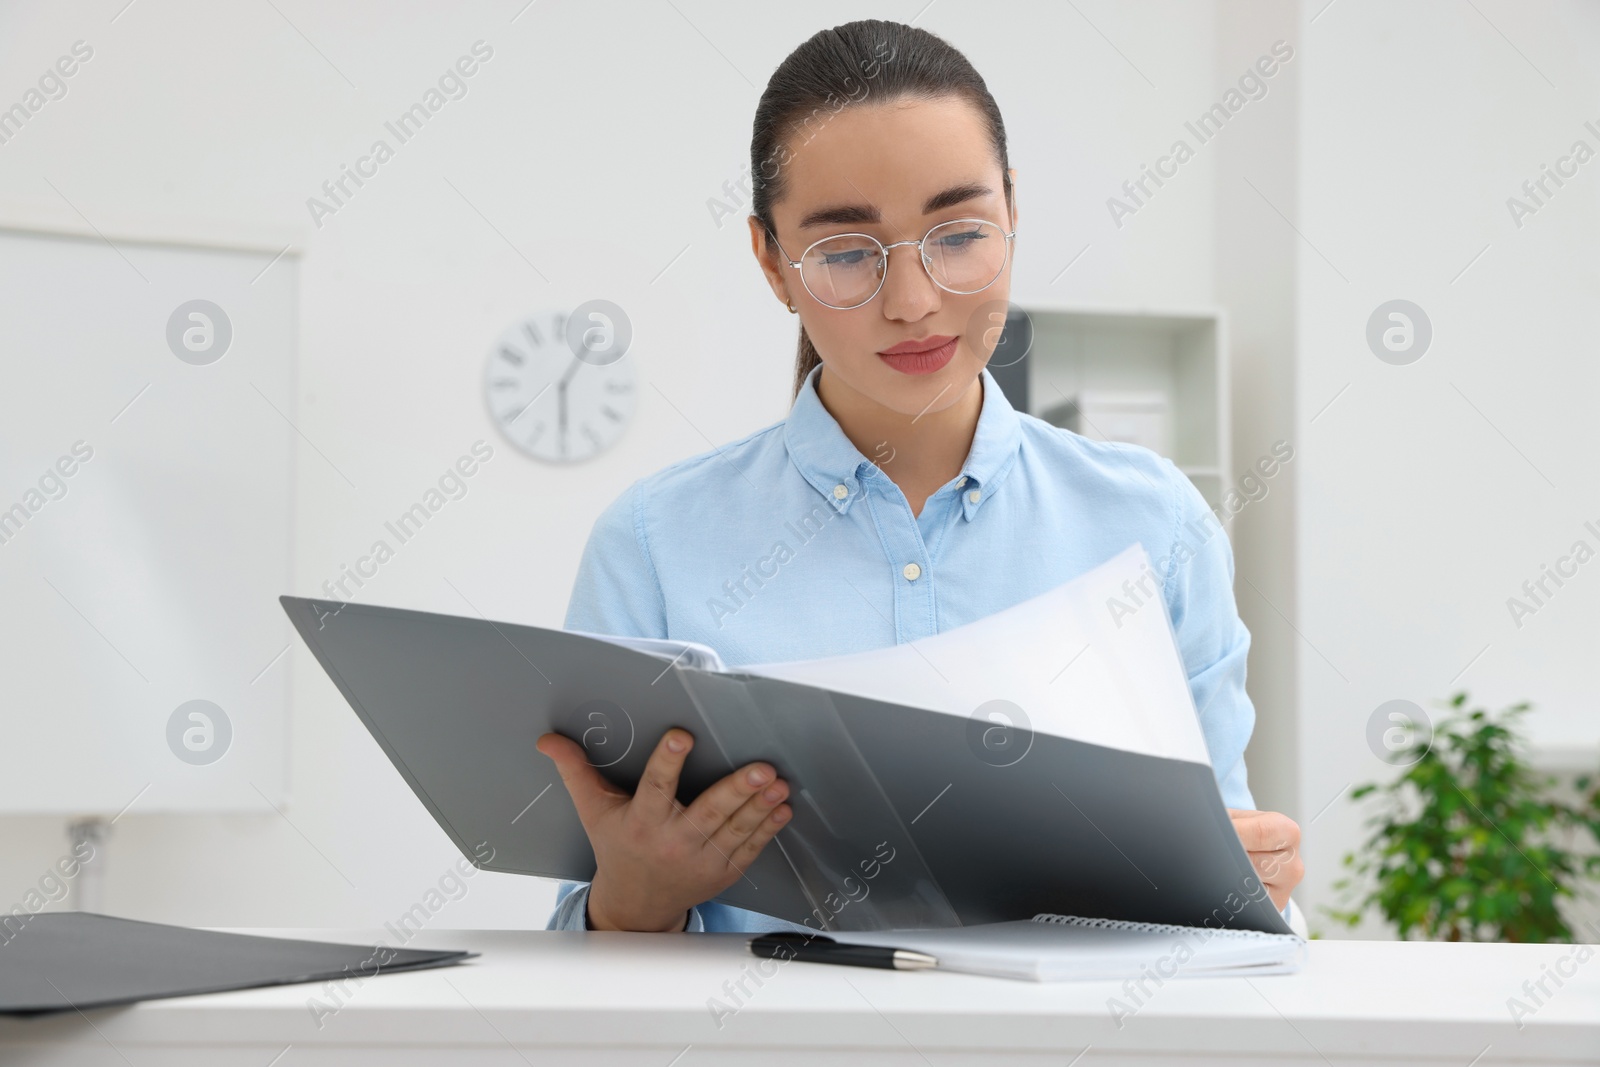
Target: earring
{"x": 793, "y": 310}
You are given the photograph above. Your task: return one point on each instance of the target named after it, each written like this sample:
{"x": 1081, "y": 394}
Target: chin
{"x": 919, "y": 394}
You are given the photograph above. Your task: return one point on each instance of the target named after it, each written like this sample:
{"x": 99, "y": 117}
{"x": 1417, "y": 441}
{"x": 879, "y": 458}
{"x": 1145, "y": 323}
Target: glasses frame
{"x": 922, "y": 256}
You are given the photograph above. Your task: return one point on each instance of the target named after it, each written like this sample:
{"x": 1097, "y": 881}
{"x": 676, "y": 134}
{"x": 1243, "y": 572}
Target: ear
{"x": 770, "y": 259}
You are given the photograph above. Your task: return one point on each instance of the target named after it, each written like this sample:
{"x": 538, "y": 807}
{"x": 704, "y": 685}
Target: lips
{"x": 920, "y": 361}
{"x": 921, "y": 344}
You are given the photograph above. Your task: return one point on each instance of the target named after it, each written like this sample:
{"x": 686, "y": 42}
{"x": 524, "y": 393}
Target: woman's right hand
{"x": 655, "y": 859}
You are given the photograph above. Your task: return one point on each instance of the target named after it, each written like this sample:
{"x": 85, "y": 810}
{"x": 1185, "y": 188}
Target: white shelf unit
{"x": 1180, "y": 354}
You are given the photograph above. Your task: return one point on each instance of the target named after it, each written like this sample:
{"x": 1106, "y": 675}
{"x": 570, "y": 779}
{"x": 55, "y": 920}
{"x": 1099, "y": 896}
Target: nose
{"x": 908, "y": 291}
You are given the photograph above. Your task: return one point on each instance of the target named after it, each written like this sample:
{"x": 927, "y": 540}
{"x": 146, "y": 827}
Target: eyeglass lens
{"x": 962, "y": 256}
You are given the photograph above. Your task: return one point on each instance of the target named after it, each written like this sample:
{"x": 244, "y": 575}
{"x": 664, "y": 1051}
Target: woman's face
{"x": 893, "y": 171}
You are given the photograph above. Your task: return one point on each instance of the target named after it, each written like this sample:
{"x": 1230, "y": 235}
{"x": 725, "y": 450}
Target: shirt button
{"x": 974, "y": 495}
{"x": 962, "y": 482}
{"x": 840, "y": 492}
{"x": 912, "y": 572}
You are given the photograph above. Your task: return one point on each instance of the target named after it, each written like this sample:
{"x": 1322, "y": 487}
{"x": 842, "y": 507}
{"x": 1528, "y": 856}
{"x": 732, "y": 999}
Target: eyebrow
{"x": 861, "y": 213}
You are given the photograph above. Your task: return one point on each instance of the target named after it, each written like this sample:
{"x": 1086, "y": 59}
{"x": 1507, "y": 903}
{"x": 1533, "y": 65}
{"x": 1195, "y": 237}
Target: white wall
{"x": 1428, "y": 493}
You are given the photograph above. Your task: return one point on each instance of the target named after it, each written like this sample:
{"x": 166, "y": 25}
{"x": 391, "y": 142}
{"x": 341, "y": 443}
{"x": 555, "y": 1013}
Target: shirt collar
{"x": 825, "y": 457}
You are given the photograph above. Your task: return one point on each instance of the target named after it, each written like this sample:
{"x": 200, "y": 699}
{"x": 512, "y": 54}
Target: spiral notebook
{"x": 1059, "y": 948}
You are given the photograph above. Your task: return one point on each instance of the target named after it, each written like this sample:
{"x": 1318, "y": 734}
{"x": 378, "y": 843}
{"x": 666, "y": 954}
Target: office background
{"x": 585, "y": 158}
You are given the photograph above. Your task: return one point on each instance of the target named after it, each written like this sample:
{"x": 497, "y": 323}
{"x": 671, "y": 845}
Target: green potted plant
{"x": 1470, "y": 844}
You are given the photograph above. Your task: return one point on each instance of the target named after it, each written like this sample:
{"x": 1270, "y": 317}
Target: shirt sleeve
{"x": 572, "y": 907}
{"x": 1296, "y": 919}
{"x": 616, "y": 590}
{"x": 1212, "y": 639}
{"x": 572, "y": 910}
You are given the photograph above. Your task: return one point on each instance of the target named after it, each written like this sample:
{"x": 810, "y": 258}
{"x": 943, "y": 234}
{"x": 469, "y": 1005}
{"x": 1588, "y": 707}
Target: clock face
{"x": 560, "y": 386}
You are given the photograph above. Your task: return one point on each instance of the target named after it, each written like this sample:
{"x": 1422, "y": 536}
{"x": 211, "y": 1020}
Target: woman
{"x": 902, "y": 496}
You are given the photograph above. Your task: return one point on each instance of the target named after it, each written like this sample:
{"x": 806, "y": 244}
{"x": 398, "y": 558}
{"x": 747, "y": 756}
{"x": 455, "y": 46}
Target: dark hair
{"x": 866, "y": 60}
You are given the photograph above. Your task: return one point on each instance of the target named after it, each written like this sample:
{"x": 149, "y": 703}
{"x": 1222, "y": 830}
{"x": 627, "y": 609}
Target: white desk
{"x": 639, "y": 999}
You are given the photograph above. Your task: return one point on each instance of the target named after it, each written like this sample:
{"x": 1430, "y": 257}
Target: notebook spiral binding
{"x": 1158, "y": 928}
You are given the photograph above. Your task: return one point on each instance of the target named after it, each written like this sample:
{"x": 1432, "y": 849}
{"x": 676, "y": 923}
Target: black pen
{"x": 819, "y": 948}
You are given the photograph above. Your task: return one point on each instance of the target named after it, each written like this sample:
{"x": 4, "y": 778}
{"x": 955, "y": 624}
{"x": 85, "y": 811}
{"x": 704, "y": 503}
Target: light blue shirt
{"x": 790, "y": 544}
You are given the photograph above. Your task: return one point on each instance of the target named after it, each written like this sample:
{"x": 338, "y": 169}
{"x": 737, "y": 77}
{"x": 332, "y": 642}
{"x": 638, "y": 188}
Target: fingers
{"x": 1272, "y": 841}
{"x": 748, "y": 816}
{"x": 591, "y": 793}
{"x": 1285, "y": 867}
{"x": 1272, "y": 866}
{"x": 713, "y": 807}
{"x": 656, "y": 796}
{"x": 1275, "y": 856}
{"x": 1264, "y": 831}
{"x": 765, "y": 831}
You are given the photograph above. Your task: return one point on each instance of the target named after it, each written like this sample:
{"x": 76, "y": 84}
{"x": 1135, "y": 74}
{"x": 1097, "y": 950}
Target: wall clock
{"x": 560, "y": 384}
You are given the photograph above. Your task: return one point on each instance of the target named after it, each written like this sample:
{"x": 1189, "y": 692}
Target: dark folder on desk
{"x": 1074, "y": 828}
{"x": 76, "y": 960}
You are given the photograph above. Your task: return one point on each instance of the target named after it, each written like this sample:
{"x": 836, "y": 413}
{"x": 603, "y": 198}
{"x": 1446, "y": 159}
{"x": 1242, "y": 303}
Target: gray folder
{"x": 67, "y": 960}
{"x": 903, "y": 817}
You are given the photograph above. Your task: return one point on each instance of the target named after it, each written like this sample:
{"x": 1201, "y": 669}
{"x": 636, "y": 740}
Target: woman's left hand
{"x": 1272, "y": 840}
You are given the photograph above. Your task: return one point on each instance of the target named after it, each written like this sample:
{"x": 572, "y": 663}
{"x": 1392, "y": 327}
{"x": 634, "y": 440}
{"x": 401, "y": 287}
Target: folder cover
{"x": 66, "y": 960}
{"x": 904, "y": 816}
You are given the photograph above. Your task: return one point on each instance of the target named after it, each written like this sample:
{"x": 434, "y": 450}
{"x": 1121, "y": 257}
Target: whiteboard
{"x": 145, "y": 525}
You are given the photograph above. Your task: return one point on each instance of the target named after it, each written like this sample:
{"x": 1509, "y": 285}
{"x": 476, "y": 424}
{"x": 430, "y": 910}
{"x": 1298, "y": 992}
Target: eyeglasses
{"x": 844, "y": 271}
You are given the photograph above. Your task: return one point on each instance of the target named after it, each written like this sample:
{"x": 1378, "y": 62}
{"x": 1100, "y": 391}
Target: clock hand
{"x": 561, "y": 395}
{"x": 567, "y": 377}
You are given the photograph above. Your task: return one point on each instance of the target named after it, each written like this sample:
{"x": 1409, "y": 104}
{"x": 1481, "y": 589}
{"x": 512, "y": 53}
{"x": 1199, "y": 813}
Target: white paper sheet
{"x": 1074, "y": 666}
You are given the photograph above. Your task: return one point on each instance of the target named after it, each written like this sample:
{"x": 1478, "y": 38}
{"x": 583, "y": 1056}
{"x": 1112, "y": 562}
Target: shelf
{"x": 1075, "y": 354}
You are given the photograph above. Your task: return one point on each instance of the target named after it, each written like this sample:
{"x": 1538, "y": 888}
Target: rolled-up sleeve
{"x": 1212, "y": 639}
